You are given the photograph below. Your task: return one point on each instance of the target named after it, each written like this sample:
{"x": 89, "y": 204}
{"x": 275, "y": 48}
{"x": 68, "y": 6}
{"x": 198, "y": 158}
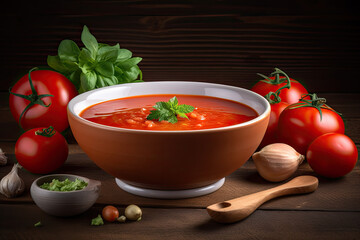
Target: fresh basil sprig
{"x": 169, "y": 111}
{"x": 96, "y": 65}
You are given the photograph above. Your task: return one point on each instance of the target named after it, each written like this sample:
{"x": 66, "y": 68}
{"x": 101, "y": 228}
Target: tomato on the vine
{"x": 277, "y": 106}
{"x": 41, "y": 150}
{"x": 40, "y": 99}
{"x": 275, "y": 81}
{"x": 300, "y": 123}
{"x": 332, "y": 155}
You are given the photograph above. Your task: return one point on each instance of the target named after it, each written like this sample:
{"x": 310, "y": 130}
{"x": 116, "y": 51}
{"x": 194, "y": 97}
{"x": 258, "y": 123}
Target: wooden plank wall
{"x": 316, "y": 42}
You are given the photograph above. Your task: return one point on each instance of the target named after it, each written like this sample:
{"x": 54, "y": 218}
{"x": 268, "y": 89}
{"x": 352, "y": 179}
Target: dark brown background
{"x": 314, "y": 41}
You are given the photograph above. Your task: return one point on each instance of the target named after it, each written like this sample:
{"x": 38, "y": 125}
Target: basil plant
{"x": 96, "y": 65}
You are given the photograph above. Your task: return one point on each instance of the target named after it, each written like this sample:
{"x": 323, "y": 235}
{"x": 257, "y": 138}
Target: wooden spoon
{"x": 239, "y": 208}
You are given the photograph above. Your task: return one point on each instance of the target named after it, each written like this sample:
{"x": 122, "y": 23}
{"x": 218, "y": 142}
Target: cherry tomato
{"x": 275, "y": 81}
{"x": 300, "y": 123}
{"x": 332, "y": 155}
{"x": 110, "y": 213}
{"x": 41, "y": 150}
{"x": 271, "y": 131}
{"x": 40, "y": 99}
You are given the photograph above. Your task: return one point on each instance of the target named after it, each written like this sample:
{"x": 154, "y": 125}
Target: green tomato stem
{"x": 46, "y": 132}
{"x": 315, "y": 101}
{"x": 276, "y": 80}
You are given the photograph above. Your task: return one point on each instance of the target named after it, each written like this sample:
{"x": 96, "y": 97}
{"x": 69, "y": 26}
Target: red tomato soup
{"x": 131, "y": 113}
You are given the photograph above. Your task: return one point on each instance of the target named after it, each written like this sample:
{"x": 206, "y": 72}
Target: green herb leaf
{"x": 98, "y": 221}
{"x": 106, "y": 81}
{"x": 38, "y": 224}
{"x": 85, "y": 57}
{"x": 185, "y": 108}
{"x": 127, "y": 64}
{"x": 105, "y": 68}
{"x": 124, "y": 54}
{"x": 71, "y": 66}
{"x": 173, "y": 102}
{"x": 108, "y": 53}
{"x": 183, "y": 115}
{"x": 95, "y": 65}
{"x": 68, "y": 50}
{"x": 100, "y": 82}
{"x": 169, "y": 111}
{"x": 55, "y": 63}
{"x": 132, "y": 74}
{"x": 74, "y": 76}
{"x": 88, "y": 80}
{"x": 89, "y": 41}
{"x": 172, "y": 119}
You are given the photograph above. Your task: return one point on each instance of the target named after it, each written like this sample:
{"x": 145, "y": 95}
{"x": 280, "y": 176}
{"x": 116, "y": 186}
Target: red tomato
{"x": 332, "y": 155}
{"x": 110, "y": 213}
{"x": 271, "y": 131}
{"x": 273, "y": 83}
{"x": 299, "y": 124}
{"x": 41, "y": 150}
{"x": 47, "y": 110}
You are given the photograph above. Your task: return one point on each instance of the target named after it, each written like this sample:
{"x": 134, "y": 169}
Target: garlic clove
{"x": 277, "y": 162}
{"x": 12, "y": 185}
{"x": 3, "y": 158}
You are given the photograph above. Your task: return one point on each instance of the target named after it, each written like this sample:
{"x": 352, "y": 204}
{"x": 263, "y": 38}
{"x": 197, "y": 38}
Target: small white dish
{"x": 65, "y": 203}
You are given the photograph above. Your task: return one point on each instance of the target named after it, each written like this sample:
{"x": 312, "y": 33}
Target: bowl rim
{"x": 84, "y": 95}
{"x": 53, "y": 176}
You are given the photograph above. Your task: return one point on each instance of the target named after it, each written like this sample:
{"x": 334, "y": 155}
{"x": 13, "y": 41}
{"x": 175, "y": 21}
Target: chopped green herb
{"x": 97, "y": 221}
{"x": 64, "y": 186}
{"x": 38, "y": 224}
{"x": 169, "y": 111}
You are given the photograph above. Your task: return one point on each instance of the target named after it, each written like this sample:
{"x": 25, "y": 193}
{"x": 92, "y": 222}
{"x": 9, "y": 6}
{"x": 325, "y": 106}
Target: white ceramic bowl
{"x": 64, "y": 203}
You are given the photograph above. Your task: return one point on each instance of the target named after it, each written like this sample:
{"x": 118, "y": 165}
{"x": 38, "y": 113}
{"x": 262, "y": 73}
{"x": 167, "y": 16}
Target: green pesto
{"x": 64, "y": 186}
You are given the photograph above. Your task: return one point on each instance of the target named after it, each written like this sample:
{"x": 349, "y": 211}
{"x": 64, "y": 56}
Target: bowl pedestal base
{"x": 170, "y": 194}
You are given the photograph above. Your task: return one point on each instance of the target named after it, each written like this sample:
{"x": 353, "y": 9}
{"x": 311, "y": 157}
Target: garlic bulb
{"x": 277, "y": 162}
{"x": 3, "y": 158}
{"x": 133, "y": 212}
{"x": 12, "y": 185}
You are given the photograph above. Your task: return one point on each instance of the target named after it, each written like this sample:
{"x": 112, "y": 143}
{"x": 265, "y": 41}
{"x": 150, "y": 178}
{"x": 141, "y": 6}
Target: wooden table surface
{"x": 331, "y": 212}
{"x": 228, "y": 42}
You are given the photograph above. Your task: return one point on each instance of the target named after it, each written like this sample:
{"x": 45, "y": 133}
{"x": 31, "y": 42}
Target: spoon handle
{"x": 239, "y": 208}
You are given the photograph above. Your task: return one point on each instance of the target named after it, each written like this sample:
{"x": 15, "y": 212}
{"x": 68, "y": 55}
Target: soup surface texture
{"x": 131, "y": 113}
